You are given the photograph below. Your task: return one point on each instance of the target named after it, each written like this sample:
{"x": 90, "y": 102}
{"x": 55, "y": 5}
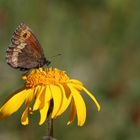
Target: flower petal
{"x": 29, "y": 97}
{"x": 57, "y": 99}
{"x": 24, "y": 118}
{"x": 79, "y": 104}
{"x": 42, "y": 97}
{"x": 45, "y": 109}
{"x": 39, "y": 101}
{"x": 73, "y": 112}
{"x": 93, "y": 98}
{"x": 48, "y": 94}
{"x": 14, "y": 103}
{"x": 76, "y": 81}
{"x": 89, "y": 94}
{"x": 65, "y": 100}
{"x": 43, "y": 113}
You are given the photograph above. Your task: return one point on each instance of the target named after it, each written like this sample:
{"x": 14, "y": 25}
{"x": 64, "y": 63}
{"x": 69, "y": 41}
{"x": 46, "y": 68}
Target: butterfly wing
{"x": 25, "y": 52}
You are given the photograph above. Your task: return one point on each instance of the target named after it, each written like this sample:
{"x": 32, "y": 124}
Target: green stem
{"x": 49, "y": 124}
{"x": 50, "y": 128}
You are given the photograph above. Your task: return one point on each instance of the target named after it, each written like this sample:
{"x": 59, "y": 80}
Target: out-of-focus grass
{"x": 100, "y": 45}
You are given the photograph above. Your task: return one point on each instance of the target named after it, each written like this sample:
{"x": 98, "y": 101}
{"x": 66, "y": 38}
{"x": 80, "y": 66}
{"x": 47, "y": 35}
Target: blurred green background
{"x": 100, "y": 45}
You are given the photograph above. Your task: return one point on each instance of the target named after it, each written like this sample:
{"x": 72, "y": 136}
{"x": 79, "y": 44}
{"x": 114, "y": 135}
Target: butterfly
{"x": 25, "y": 51}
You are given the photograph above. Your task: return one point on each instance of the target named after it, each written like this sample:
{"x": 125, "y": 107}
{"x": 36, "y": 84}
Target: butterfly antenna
{"x": 51, "y": 58}
{"x": 55, "y": 56}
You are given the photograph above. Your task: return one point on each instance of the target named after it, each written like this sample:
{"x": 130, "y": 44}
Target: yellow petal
{"x": 36, "y": 91}
{"x": 72, "y": 113}
{"x": 43, "y": 113}
{"x": 67, "y": 90}
{"x": 29, "y": 97}
{"x": 65, "y": 100}
{"x": 89, "y": 94}
{"x": 57, "y": 99}
{"x": 42, "y": 97}
{"x": 79, "y": 104}
{"x": 93, "y": 98}
{"x": 44, "y": 110}
{"x": 39, "y": 101}
{"x": 76, "y": 81}
{"x": 24, "y": 118}
{"x": 48, "y": 94}
{"x": 76, "y": 84}
{"x": 14, "y": 103}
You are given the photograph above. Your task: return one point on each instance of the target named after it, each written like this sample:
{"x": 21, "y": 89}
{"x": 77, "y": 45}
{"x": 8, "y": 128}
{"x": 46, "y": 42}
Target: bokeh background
{"x": 100, "y": 45}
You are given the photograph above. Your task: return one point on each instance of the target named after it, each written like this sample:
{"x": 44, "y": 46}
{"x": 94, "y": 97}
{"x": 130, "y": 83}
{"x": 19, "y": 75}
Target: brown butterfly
{"x": 25, "y": 51}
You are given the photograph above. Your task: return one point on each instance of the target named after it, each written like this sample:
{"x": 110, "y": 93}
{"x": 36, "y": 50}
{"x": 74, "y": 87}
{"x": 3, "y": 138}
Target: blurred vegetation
{"x": 100, "y": 45}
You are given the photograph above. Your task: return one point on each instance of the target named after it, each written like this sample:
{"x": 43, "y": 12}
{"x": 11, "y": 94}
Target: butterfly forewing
{"x": 25, "y": 52}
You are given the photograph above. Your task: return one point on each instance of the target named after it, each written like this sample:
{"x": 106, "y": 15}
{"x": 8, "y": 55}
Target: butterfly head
{"x": 47, "y": 62}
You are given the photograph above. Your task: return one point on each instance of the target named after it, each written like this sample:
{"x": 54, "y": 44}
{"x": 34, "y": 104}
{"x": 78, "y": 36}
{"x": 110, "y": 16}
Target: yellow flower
{"x": 47, "y": 88}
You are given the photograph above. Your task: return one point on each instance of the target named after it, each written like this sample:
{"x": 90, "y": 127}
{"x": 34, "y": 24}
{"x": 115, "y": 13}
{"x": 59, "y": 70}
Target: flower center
{"x": 45, "y": 76}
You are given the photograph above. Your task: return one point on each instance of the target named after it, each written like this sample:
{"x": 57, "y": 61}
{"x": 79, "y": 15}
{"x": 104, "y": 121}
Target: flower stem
{"x": 50, "y": 130}
{"x": 49, "y": 124}
{"x": 50, "y": 127}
